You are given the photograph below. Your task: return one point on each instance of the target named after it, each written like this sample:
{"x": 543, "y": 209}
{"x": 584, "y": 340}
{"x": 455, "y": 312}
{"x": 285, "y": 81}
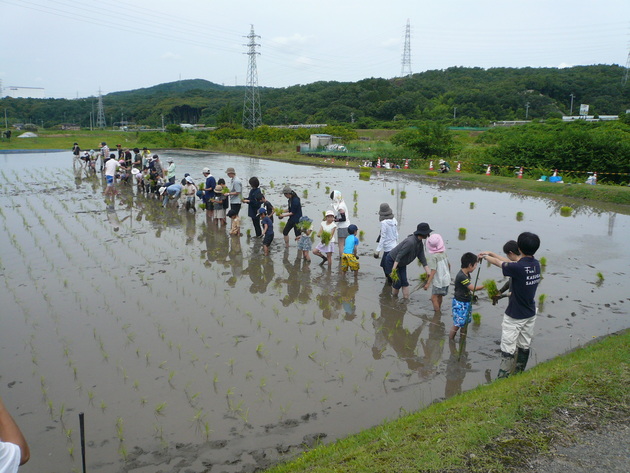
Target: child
{"x": 325, "y": 250}
{"x": 190, "y": 191}
{"x": 462, "y": 297}
{"x": 349, "y": 257}
{"x": 304, "y": 240}
{"x": 267, "y": 229}
{"x": 517, "y": 328}
{"x": 439, "y": 271}
{"x": 513, "y": 254}
{"x": 217, "y": 201}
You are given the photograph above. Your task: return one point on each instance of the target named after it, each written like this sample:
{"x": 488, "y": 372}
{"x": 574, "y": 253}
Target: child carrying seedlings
{"x": 304, "y": 240}
{"x": 267, "y": 229}
{"x": 462, "y": 298}
{"x": 328, "y": 238}
{"x": 349, "y": 258}
{"x": 439, "y": 271}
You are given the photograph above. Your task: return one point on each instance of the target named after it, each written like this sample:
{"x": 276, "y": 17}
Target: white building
{"x": 18, "y": 92}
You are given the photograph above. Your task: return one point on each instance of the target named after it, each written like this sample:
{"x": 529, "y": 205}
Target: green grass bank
{"x": 495, "y": 427}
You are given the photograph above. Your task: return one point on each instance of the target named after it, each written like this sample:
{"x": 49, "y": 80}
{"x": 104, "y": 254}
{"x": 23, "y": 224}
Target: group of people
{"x": 222, "y": 199}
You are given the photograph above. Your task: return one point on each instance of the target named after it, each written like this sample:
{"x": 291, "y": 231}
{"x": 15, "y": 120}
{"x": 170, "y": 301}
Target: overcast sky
{"x": 74, "y": 47}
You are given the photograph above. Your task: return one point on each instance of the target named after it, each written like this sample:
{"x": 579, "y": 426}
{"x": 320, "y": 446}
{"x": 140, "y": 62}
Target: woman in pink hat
{"x": 439, "y": 271}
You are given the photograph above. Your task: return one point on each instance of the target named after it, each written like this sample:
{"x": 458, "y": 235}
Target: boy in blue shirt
{"x": 349, "y": 257}
{"x": 267, "y": 229}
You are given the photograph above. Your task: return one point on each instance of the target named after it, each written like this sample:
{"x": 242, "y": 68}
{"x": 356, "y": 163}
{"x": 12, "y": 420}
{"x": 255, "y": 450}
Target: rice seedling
{"x": 122, "y": 451}
{"x": 249, "y": 233}
{"x": 394, "y": 275}
{"x": 476, "y": 316}
{"x": 472, "y": 205}
{"x": 543, "y": 262}
{"x": 542, "y": 298}
{"x": 491, "y": 287}
{"x": 103, "y": 406}
{"x": 566, "y": 211}
{"x": 403, "y": 194}
{"x": 325, "y": 237}
{"x": 119, "y": 429}
{"x": 361, "y": 235}
{"x": 600, "y": 276}
{"x": 271, "y": 184}
{"x": 327, "y": 190}
{"x": 305, "y": 193}
{"x": 282, "y": 225}
{"x": 393, "y": 192}
{"x": 435, "y": 200}
{"x": 462, "y": 233}
{"x": 159, "y": 409}
{"x": 519, "y": 216}
{"x": 71, "y": 451}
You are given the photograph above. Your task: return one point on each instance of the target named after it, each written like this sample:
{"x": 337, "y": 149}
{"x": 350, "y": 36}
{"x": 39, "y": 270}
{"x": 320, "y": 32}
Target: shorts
{"x": 110, "y": 180}
{"x": 439, "y": 291}
{"x": 304, "y": 243}
{"x": 235, "y": 209}
{"x": 342, "y": 232}
{"x": 267, "y": 239}
{"x": 461, "y": 313}
{"x": 288, "y": 227}
{"x": 349, "y": 261}
{"x": 329, "y": 248}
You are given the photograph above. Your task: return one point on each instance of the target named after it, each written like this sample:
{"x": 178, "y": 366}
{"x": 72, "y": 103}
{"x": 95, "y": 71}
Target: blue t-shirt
{"x": 267, "y": 221}
{"x": 295, "y": 207}
{"x": 174, "y": 189}
{"x": 525, "y": 274}
{"x": 208, "y": 191}
{"x": 351, "y": 242}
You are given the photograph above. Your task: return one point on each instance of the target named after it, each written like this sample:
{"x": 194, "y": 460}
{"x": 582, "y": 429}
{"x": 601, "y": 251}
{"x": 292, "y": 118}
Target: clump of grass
{"x": 365, "y": 175}
{"x": 435, "y": 200}
{"x": 476, "y": 316}
{"x": 566, "y": 211}
{"x": 403, "y": 194}
{"x": 432, "y": 173}
{"x": 491, "y": 287}
{"x": 462, "y": 233}
{"x": 519, "y": 216}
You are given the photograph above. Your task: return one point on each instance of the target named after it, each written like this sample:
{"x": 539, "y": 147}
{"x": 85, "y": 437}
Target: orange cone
{"x": 488, "y": 172}
{"x": 520, "y": 173}
{"x": 459, "y": 166}
{"x": 430, "y": 165}
{"x": 406, "y": 164}
{"x": 378, "y": 163}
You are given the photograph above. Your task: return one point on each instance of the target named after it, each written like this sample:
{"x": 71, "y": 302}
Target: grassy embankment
{"x": 495, "y": 427}
{"x": 572, "y": 194}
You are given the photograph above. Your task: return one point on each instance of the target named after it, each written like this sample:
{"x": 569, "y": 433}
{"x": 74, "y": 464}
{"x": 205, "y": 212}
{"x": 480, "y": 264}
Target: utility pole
{"x": 406, "y": 57}
{"x": 572, "y": 97}
{"x": 624, "y": 81}
{"x": 162, "y": 122}
{"x": 526, "y": 110}
{"x": 454, "y": 113}
{"x": 251, "y": 104}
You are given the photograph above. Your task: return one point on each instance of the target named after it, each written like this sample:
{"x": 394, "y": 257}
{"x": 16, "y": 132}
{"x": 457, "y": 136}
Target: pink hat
{"x": 435, "y": 244}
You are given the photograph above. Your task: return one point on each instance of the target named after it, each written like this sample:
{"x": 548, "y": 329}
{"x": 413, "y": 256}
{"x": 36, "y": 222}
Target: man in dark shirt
{"x": 517, "y": 328}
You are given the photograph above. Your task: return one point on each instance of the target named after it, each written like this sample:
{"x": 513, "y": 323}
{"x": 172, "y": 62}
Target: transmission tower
{"x": 100, "y": 114}
{"x": 627, "y": 72}
{"x": 406, "y": 57}
{"x": 251, "y": 105}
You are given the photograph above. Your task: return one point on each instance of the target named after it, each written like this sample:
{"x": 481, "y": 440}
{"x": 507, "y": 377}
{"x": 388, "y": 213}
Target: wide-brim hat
{"x": 423, "y": 229}
{"x": 385, "y": 212}
{"x": 287, "y": 190}
{"x": 435, "y": 243}
{"x": 161, "y": 190}
{"x": 218, "y": 188}
{"x": 135, "y": 171}
{"x": 230, "y": 171}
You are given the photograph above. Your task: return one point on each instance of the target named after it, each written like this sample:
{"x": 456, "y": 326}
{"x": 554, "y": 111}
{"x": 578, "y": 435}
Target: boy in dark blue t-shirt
{"x": 517, "y": 328}
{"x": 462, "y": 295}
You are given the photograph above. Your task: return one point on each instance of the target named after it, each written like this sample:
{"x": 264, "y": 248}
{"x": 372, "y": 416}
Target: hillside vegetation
{"x": 456, "y": 96}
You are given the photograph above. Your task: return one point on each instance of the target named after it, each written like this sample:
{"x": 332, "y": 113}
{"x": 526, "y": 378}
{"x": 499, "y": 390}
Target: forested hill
{"x": 457, "y": 96}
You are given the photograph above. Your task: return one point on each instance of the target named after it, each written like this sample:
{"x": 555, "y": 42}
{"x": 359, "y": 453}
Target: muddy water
{"x": 188, "y": 350}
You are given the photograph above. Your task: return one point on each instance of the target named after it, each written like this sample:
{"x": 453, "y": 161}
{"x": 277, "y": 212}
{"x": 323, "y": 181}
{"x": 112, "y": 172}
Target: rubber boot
{"x": 522, "y": 355}
{"x": 507, "y": 365}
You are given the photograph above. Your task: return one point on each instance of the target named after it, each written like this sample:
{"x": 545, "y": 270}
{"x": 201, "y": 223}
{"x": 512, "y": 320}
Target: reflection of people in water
{"x": 260, "y": 271}
{"x": 347, "y": 293}
{"x": 433, "y": 345}
{"x": 456, "y": 368}
{"x": 294, "y": 279}
{"x": 389, "y": 330}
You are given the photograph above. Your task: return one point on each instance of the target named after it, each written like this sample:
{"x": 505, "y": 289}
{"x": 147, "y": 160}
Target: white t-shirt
{"x": 110, "y": 167}
{"x": 329, "y": 229}
{"x": 10, "y": 456}
{"x": 439, "y": 262}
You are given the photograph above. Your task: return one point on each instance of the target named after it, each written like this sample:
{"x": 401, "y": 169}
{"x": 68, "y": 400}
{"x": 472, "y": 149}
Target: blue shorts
{"x": 110, "y": 180}
{"x": 402, "y": 273}
{"x": 461, "y": 313}
{"x": 267, "y": 239}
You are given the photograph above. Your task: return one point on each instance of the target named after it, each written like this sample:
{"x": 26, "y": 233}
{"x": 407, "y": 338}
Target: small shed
{"x": 320, "y": 140}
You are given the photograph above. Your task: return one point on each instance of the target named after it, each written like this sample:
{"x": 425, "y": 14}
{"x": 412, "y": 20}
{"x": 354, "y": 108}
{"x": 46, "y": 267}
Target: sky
{"x": 74, "y": 48}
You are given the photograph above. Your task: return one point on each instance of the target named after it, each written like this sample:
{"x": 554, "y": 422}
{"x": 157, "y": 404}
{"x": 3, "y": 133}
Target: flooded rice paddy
{"x": 188, "y": 350}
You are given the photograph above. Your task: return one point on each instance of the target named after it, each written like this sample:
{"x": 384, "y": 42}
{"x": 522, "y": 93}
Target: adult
{"x": 294, "y": 212}
{"x": 342, "y": 219}
{"x": 146, "y": 154}
{"x": 104, "y": 154}
{"x": 137, "y": 159}
{"x": 208, "y": 192}
{"x": 517, "y": 328}
{"x": 121, "y": 153}
{"x": 157, "y": 166}
{"x": 111, "y": 165}
{"x": 14, "y": 449}
{"x": 172, "y": 192}
{"x": 170, "y": 171}
{"x": 254, "y": 202}
{"x": 128, "y": 158}
{"x": 403, "y": 254}
{"x": 235, "y": 194}
{"x": 76, "y": 151}
{"x": 388, "y": 236}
